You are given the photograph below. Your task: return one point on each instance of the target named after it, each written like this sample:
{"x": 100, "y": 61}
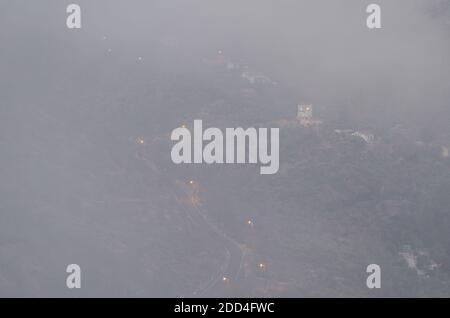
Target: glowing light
{"x": 141, "y": 141}
{"x": 140, "y": 58}
{"x": 191, "y": 182}
{"x": 249, "y": 222}
{"x": 262, "y": 266}
{"x": 225, "y": 279}
{"x": 183, "y": 126}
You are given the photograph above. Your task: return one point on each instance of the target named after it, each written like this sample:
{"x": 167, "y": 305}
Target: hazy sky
{"x": 73, "y": 187}
{"x": 321, "y": 50}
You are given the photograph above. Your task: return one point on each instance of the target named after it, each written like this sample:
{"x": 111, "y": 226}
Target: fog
{"x": 87, "y": 178}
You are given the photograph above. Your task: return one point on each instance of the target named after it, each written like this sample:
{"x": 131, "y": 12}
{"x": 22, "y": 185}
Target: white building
{"x": 256, "y": 77}
{"x": 366, "y": 136}
{"x": 305, "y": 112}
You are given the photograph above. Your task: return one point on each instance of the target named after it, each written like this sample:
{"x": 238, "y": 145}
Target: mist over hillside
{"x": 85, "y": 149}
